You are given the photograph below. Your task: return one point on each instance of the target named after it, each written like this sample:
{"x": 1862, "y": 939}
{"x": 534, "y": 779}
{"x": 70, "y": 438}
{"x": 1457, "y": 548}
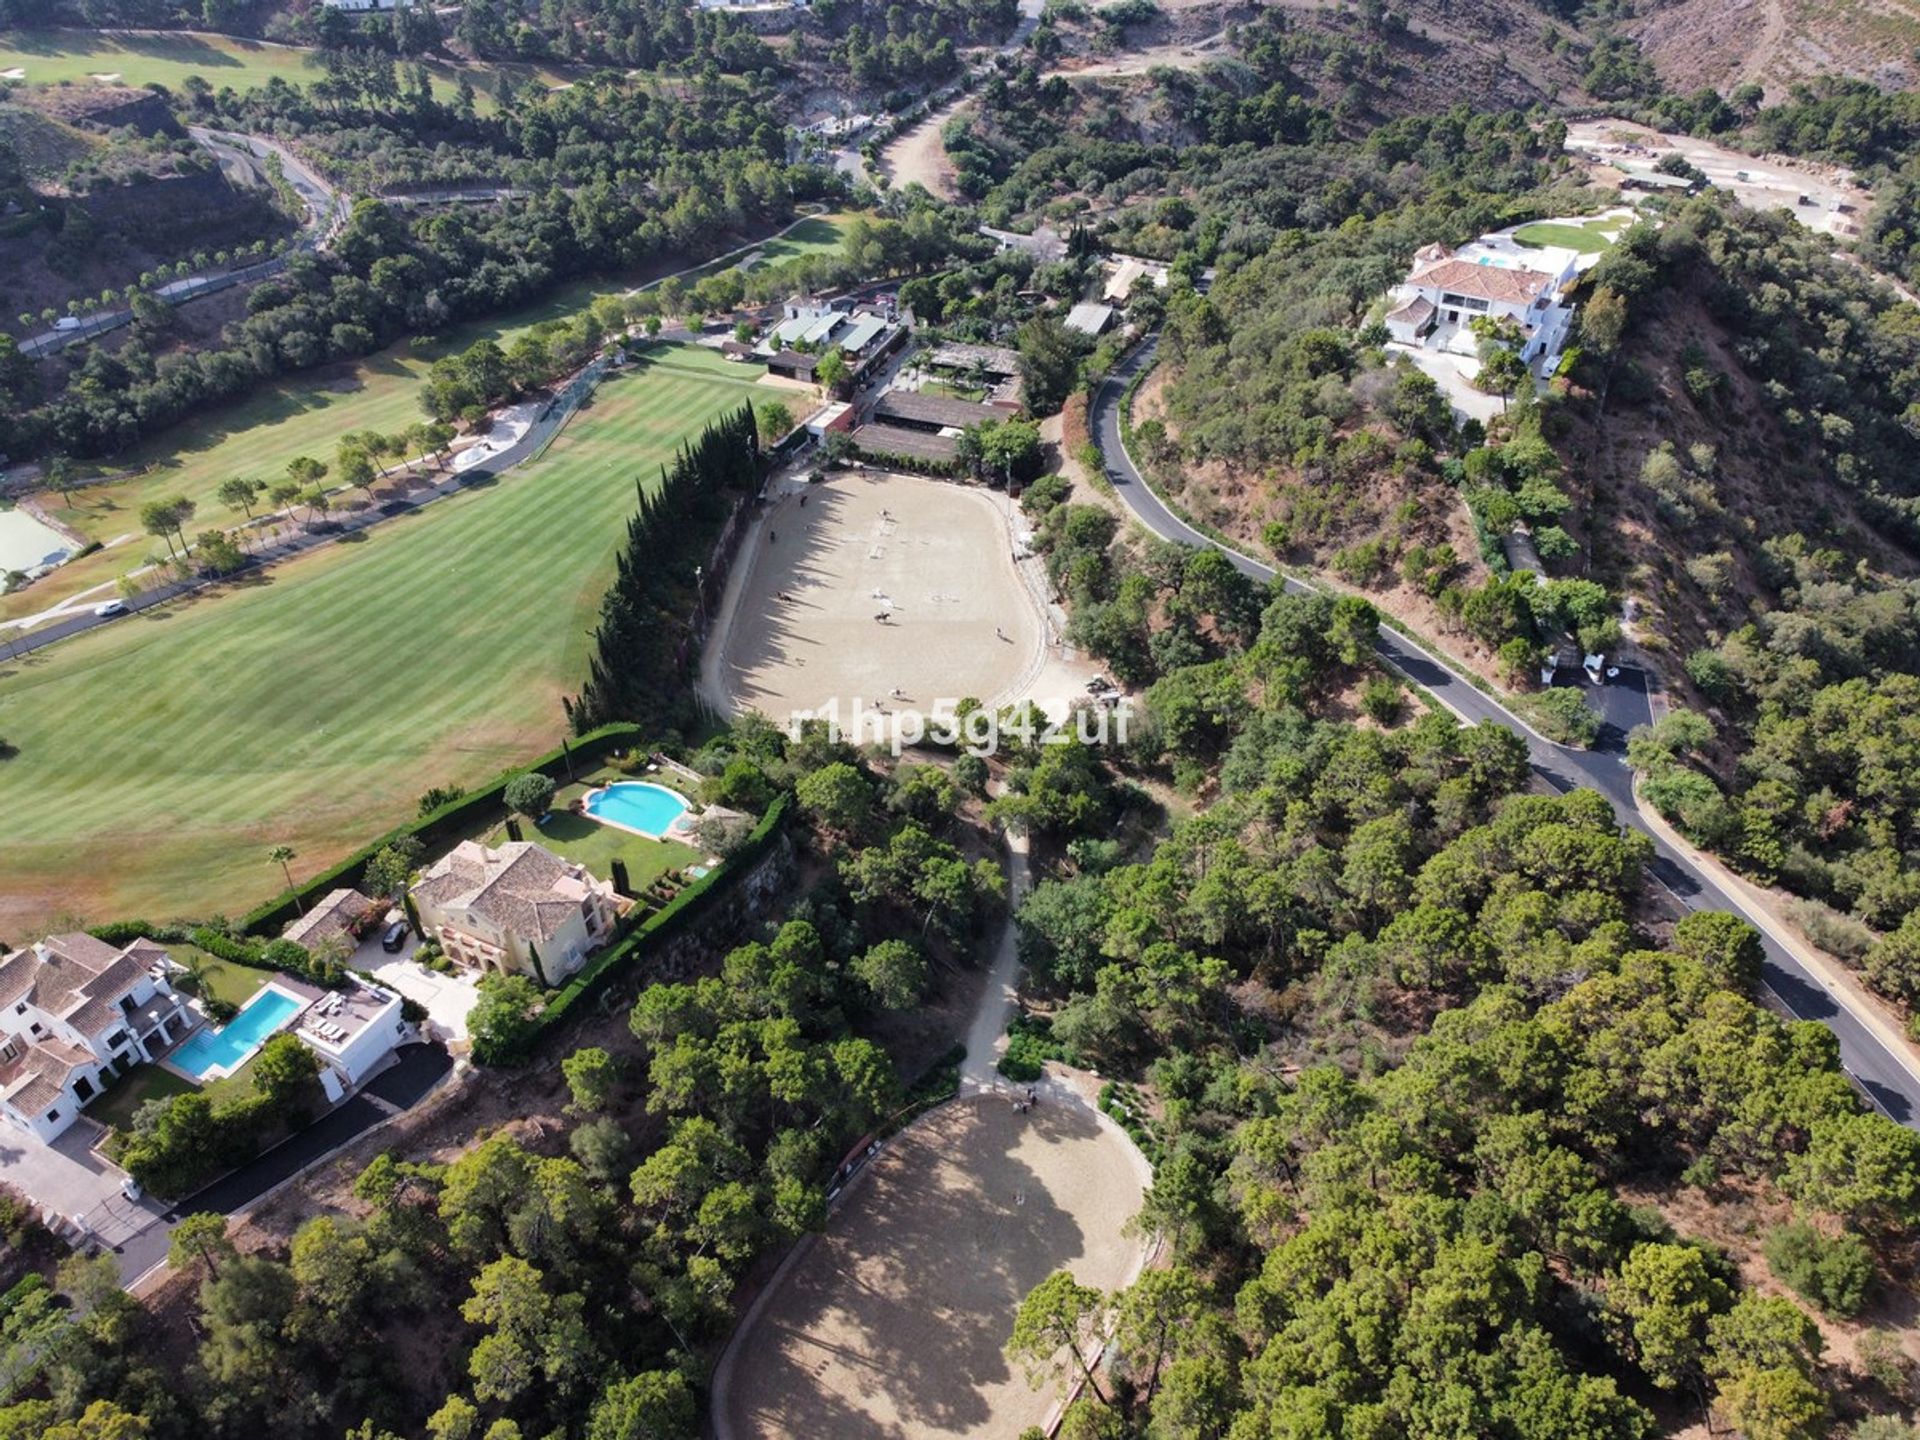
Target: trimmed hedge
{"x": 655, "y": 930}
{"x": 439, "y": 825}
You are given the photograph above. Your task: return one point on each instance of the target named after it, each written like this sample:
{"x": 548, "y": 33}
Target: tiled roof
{"x": 39, "y": 1077}
{"x": 1484, "y": 282}
{"x": 75, "y": 978}
{"x": 334, "y": 915}
{"x": 523, "y": 888}
{"x": 882, "y": 441}
{"x": 958, "y": 355}
{"x": 917, "y": 409}
{"x": 1416, "y": 311}
{"x": 794, "y": 360}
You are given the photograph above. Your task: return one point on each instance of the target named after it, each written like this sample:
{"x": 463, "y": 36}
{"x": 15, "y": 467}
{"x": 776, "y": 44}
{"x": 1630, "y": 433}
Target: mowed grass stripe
{"x": 53, "y": 55}
{"x": 159, "y": 758}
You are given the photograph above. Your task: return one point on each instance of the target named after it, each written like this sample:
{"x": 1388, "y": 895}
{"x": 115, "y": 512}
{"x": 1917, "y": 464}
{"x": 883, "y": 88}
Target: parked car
{"x": 395, "y": 939}
{"x": 111, "y": 607}
{"x": 67, "y": 322}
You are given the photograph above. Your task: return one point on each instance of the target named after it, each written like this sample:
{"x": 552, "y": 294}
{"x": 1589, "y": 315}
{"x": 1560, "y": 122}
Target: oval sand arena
{"x": 889, "y": 1326}
{"x": 890, "y": 589}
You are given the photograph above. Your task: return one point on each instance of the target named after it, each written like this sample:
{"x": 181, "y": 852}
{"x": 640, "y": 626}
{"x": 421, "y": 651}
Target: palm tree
{"x": 283, "y": 856}
{"x": 194, "y": 970}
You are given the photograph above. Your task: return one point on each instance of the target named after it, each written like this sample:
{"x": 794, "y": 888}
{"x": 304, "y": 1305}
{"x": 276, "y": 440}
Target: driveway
{"x": 1454, "y": 375}
{"x": 448, "y": 998}
{"x": 65, "y": 1180}
{"x": 416, "y": 1070}
{"x": 1623, "y": 703}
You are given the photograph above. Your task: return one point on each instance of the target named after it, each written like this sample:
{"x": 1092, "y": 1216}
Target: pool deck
{"x": 296, "y": 990}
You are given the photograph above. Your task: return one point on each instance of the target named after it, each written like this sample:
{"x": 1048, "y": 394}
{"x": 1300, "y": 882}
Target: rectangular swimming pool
{"x": 214, "y": 1053}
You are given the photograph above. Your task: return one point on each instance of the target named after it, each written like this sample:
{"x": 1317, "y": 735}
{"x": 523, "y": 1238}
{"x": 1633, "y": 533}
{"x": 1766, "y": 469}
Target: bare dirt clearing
{"x": 933, "y": 557}
{"x": 891, "y": 1324}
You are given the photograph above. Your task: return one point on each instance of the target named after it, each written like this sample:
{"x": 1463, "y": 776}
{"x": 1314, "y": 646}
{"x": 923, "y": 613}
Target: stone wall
{"x": 729, "y": 921}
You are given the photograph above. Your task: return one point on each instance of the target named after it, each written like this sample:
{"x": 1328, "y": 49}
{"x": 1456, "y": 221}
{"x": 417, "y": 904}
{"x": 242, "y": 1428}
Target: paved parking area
{"x": 68, "y": 1180}
{"x": 448, "y": 998}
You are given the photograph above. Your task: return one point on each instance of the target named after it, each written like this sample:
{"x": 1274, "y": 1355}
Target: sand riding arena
{"x": 889, "y": 1326}
{"x": 893, "y": 590}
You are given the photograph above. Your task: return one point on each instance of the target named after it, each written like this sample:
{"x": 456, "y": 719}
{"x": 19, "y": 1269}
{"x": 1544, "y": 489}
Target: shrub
{"x": 1563, "y": 715}
{"x": 1834, "y": 1272}
{"x": 1833, "y": 932}
{"x": 1381, "y": 698}
{"x": 530, "y": 794}
{"x": 1030, "y": 1045}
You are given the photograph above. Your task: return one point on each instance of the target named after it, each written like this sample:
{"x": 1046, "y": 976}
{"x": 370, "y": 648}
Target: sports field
{"x": 159, "y": 758}
{"x": 54, "y": 56}
{"x": 300, "y": 415}
{"x": 890, "y": 1326}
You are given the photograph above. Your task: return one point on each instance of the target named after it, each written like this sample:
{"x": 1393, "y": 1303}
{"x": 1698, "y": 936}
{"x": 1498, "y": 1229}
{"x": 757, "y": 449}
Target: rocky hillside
{"x": 1729, "y": 43}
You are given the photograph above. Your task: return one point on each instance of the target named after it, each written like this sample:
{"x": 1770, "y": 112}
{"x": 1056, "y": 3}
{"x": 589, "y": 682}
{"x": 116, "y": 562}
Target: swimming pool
{"x": 215, "y": 1053}
{"x": 638, "y": 805}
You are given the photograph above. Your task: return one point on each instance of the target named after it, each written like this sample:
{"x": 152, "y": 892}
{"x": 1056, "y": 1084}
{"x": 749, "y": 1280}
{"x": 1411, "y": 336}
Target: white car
{"x": 112, "y": 607}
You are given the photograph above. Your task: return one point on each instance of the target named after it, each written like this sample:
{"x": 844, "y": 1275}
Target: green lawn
{"x": 1589, "y": 237}
{"x": 299, "y": 415}
{"x": 816, "y": 235}
{"x": 596, "y": 846}
{"x": 255, "y": 438}
{"x": 158, "y": 759}
{"x": 134, "y": 1089}
{"x": 56, "y": 56}
{"x": 235, "y": 984}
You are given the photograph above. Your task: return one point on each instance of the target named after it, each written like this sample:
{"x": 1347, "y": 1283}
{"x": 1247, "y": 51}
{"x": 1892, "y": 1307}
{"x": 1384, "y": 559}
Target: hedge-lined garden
{"x": 448, "y": 822}
{"x": 519, "y": 1034}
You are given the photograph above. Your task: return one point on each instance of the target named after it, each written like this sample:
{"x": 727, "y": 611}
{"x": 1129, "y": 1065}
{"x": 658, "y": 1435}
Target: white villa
{"x": 1435, "y": 306}
{"x": 352, "y": 1031}
{"x": 493, "y": 909}
{"x": 75, "y": 1013}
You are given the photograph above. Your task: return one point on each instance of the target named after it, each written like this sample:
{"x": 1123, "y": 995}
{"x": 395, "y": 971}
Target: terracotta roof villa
{"x": 1495, "y": 278}
{"x": 516, "y": 908}
{"x": 74, "y": 1012}
{"x": 1484, "y": 282}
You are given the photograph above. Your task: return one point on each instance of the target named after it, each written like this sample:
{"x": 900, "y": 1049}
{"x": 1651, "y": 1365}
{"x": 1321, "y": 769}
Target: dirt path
{"x": 1773, "y": 34}
{"x": 918, "y": 156}
{"x": 987, "y": 1035}
{"x": 889, "y": 1325}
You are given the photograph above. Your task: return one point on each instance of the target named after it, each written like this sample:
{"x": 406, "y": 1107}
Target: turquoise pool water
{"x": 229, "y": 1046}
{"x": 638, "y": 805}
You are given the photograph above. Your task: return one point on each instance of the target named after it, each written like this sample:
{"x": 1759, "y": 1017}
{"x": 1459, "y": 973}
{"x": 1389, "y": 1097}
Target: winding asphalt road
{"x": 394, "y": 1091}
{"x": 1888, "y": 1078}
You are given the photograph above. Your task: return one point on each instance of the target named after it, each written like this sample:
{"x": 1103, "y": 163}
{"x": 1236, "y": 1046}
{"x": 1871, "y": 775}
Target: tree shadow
{"x": 902, "y": 1307}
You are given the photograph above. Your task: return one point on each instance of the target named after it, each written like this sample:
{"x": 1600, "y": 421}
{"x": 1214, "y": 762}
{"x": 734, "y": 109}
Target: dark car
{"x": 395, "y": 939}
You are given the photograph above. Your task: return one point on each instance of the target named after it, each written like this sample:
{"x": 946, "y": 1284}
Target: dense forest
{"x": 1410, "y": 1035}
